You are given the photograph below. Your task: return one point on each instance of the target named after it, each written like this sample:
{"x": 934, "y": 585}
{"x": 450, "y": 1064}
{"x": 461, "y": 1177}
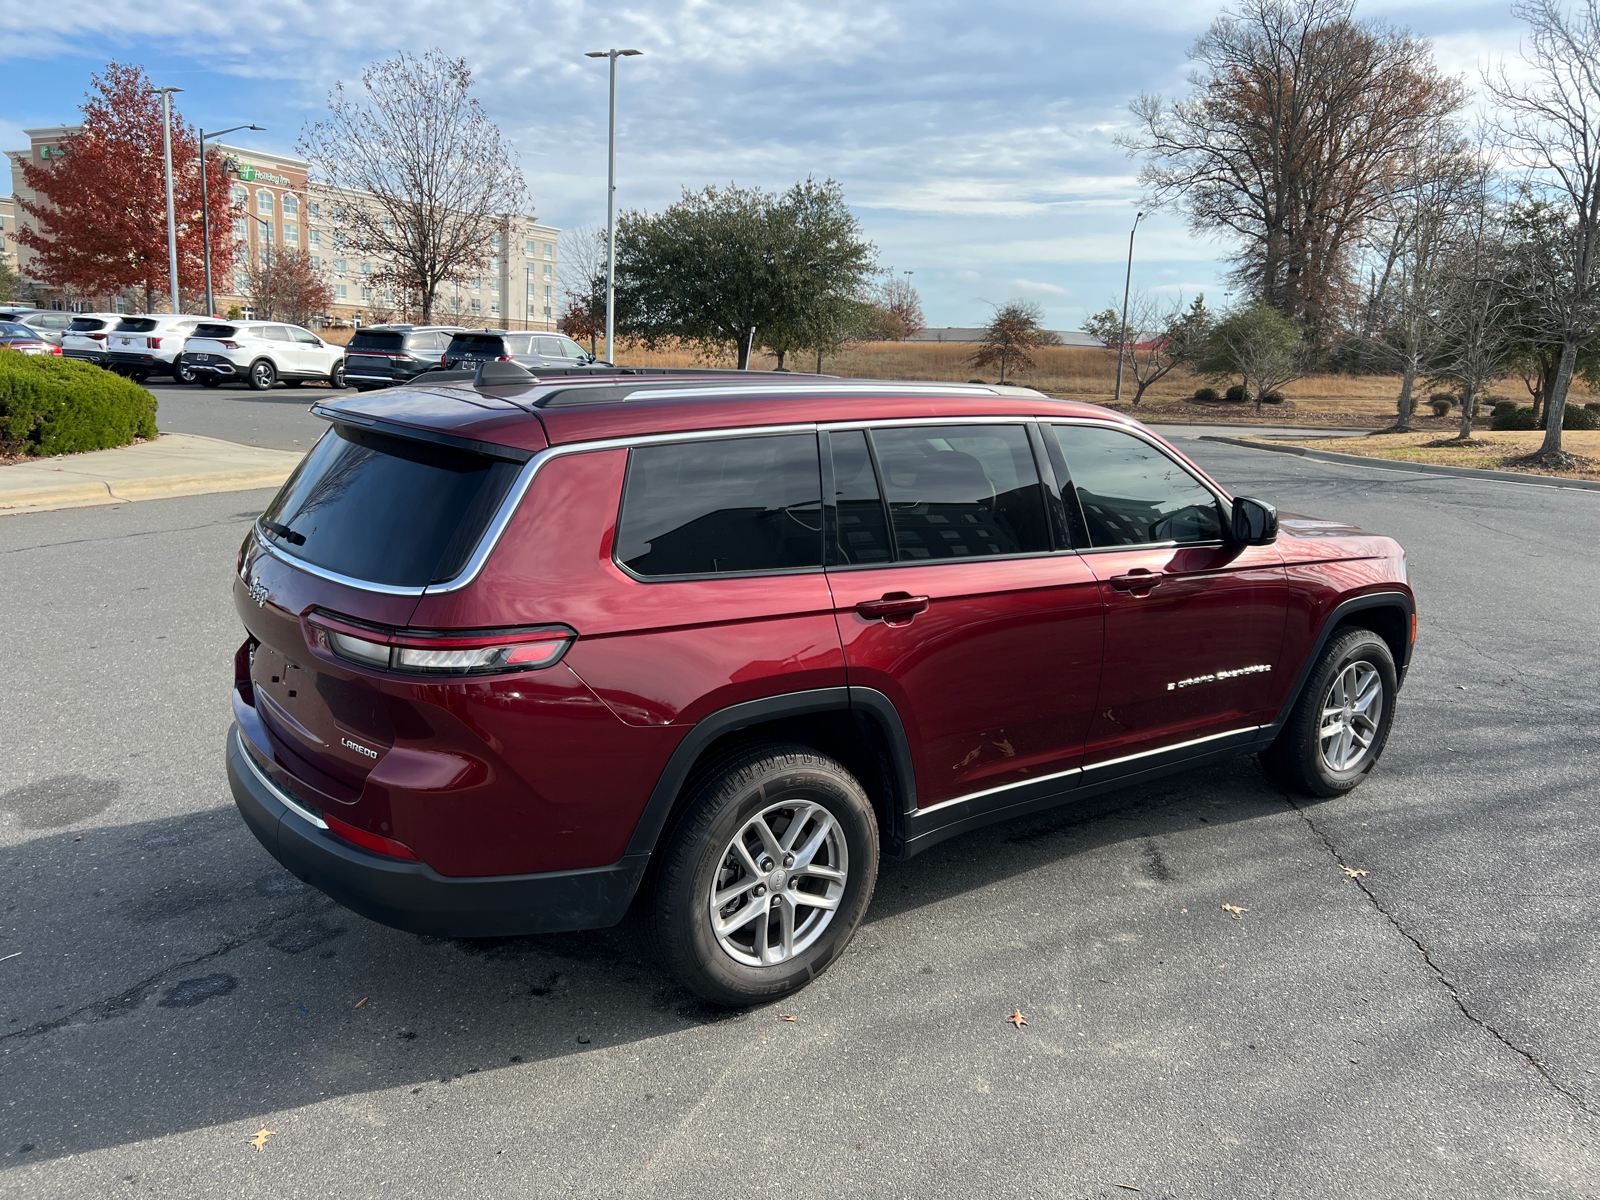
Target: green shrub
{"x": 1272, "y": 397}
{"x": 1516, "y": 418}
{"x": 1593, "y": 406}
{"x": 52, "y": 405}
{"x": 1501, "y": 407}
{"x": 1238, "y": 394}
{"x": 1573, "y": 417}
{"x": 1441, "y": 403}
{"x": 1207, "y": 395}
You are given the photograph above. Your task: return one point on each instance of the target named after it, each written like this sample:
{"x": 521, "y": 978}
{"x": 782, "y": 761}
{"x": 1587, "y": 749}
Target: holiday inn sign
{"x": 249, "y": 174}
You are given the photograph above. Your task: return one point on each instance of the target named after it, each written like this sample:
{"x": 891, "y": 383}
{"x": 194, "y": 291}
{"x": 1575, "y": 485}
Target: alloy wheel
{"x": 1352, "y": 710}
{"x": 780, "y": 881}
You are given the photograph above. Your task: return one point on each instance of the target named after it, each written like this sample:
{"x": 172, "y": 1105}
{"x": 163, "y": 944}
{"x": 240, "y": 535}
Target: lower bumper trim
{"x": 413, "y": 896}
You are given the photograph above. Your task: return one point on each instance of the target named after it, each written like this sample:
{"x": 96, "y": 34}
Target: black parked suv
{"x": 381, "y": 356}
{"x": 532, "y": 350}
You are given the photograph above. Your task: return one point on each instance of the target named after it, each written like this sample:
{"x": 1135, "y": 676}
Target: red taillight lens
{"x": 436, "y": 652}
{"x": 153, "y": 343}
{"x": 229, "y": 345}
{"x": 370, "y": 841}
{"x": 444, "y": 360}
{"x": 95, "y": 337}
{"x": 504, "y": 358}
{"x": 55, "y": 349}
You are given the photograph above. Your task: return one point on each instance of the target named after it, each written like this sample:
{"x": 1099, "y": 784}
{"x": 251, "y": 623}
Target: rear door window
{"x": 1132, "y": 494}
{"x": 276, "y": 333}
{"x": 961, "y": 491}
{"x": 550, "y": 347}
{"x": 385, "y": 509}
{"x": 722, "y": 506}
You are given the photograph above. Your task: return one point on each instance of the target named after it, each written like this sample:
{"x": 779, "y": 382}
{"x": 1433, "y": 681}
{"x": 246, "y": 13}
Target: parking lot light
{"x": 611, "y": 198}
{"x": 166, "y": 153}
{"x": 205, "y": 209}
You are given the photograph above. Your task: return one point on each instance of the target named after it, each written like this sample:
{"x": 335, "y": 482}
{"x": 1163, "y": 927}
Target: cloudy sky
{"x": 974, "y": 141}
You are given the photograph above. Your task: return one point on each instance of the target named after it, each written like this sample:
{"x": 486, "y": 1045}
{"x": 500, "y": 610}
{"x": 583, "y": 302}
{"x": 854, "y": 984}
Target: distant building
{"x": 956, "y": 333}
{"x": 277, "y": 205}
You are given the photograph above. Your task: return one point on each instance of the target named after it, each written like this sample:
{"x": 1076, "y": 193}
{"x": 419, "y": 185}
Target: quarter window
{"x": 863, "y": 533}
{"x": 1132, "y": 494}
{"x": 722, "y": 506}
{"x": 961, "y": 491}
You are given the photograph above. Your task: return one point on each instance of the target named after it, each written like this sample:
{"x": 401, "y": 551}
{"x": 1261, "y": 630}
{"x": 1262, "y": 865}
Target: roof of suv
{"x": 553, "y": 410}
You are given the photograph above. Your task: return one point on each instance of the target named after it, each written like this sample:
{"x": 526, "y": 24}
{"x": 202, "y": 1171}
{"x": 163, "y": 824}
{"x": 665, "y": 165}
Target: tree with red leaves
{"x": 99, "y": 218}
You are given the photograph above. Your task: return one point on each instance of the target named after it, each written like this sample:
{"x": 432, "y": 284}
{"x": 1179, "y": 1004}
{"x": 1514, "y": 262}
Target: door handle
{"x": 1137, "y": 580}
{"x": 893, "y": 607}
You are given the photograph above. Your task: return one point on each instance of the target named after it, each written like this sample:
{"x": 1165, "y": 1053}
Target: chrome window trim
{"x": 278, "y": 793}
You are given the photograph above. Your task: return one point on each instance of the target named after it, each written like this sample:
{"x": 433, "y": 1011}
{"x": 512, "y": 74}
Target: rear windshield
{"x": 204, "y": 330}
{"x": 383, "y": 339}
{"x": 136, "y": 325}
{"x": 481, "y": 343}
{"x": 87, "y": 324}
{"x": 385, "y": 509}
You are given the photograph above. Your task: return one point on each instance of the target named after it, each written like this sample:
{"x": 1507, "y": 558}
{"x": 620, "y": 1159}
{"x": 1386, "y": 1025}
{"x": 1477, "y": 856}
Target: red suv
{"x": 521, "y": 650}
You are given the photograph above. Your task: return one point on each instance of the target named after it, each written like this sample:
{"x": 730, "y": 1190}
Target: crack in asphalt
{"x": 130, "y": 998}
{"x": 1575, "y": 1099}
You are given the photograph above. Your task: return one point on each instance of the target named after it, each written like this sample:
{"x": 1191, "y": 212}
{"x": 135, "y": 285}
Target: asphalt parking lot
{"x": 1406, "y": 1007}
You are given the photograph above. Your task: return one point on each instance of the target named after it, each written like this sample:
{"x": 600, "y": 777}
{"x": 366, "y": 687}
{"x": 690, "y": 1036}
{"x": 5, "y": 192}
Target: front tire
{"x": 1340, "y": 724}
{"x": 766, "y": 875}
{"x": 263, "y": 375}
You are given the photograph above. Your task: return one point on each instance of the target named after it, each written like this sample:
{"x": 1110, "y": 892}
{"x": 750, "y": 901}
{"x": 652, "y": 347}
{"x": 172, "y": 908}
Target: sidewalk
{"x": 175, "y": 464}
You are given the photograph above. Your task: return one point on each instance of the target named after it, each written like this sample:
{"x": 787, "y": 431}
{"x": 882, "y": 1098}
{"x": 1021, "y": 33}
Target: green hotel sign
{"x": 249, "y": 173}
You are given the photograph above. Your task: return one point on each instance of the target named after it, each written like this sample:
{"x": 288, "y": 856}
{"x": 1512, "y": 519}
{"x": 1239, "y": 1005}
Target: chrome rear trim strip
{"x": 282, "y": 796}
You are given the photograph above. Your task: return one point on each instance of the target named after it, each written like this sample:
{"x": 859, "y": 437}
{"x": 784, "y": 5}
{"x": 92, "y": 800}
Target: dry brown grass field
{"x": 1492, "y": 450}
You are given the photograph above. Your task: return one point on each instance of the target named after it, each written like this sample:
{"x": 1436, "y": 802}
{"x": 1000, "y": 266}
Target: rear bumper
{"x": 97, "y": 357}
{"x": 214, "y": 365}
{"x": 128, "y": 360}
{"x": 414, "y": 897}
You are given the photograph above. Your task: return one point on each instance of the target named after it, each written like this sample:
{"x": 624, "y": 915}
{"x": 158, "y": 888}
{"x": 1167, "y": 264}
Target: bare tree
{"x": 1297, "y": 119}
{"x": 1477, "y": 325}
{"x": 1418, "y": 222}
{"x": 1162, "y": 338}
{"x": 1011, "y": 338}
{"x": 583, "y": 284}
{"x": 438, "y": 175}
{"x": 283, "y": 286}
{"x": 898, "y": 298}
{"x": 1551, "y": 126}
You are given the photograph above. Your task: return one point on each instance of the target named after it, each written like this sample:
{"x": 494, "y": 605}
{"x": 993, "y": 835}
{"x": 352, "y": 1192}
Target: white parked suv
{"x": 147, "y": 345}
{"x": 85, "y": 339}
{"x": 260, "y": 353}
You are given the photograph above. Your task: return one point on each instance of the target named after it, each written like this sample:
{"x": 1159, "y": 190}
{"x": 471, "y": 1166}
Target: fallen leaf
{"x": 1128, "y": 1187}
{"x": 362, "y": 1001}
{"x": 787, "y": 1017}
{"x": 1236, "y": 911}
{"x": 1353, "y": 872}
{"x": 260, "y": 1139}
{"x": 1016, "y": 1018}
{"x": 1183, "y": 910}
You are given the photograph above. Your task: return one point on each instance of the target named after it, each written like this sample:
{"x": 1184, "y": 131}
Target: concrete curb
{"x": 1390, "y": 464}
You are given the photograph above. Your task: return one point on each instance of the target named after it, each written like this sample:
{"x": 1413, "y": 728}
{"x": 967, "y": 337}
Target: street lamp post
{"x": 205, "y": 210}
{"x": 1127, "y": 283}
{"x": 611, "y": 198}
{"x": 527, "y": 290}
{"x": 166, "y": 153}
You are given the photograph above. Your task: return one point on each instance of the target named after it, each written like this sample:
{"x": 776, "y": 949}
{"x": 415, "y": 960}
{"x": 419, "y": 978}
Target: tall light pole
{"x": 166, "y": 153}
{"x": 1122, "y": 342}
{"x": 205, "y": 210}
{"x": 611, "y": 198}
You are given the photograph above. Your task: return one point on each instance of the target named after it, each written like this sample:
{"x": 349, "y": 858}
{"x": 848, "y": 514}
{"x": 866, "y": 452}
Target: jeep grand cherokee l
{"x": 520, "y": 651}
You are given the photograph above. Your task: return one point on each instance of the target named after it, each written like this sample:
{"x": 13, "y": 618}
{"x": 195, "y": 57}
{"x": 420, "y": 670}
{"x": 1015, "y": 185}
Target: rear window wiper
{"x": 283, "y": 531}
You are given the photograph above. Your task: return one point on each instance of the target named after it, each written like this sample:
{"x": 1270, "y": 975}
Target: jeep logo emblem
{"x": 259, "y": 594}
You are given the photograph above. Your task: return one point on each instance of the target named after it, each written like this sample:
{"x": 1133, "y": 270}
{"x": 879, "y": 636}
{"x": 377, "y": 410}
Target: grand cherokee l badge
{"x": 1218, "y": 676}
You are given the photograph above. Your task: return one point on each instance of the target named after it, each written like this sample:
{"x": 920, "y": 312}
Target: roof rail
{"x": 852, "y": 388}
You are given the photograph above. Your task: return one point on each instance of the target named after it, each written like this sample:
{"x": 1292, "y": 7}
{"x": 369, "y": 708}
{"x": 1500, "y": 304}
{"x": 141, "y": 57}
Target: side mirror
{"x": 1255, "y": 522}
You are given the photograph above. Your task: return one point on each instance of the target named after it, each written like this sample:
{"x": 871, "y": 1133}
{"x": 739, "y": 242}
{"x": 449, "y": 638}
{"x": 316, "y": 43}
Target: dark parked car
{"x": 532, "y": 350}
{"x": 381, "y": 356}
{"x": 517, "y": 650}
{"x": 24, "y": 340}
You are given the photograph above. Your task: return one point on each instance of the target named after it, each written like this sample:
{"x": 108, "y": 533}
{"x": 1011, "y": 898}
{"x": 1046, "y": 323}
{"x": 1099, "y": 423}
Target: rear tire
{"x": 771, "y": 828}
{"x": 184, "y": 373}
{"x": 263, "y": 375}
{"x": 1340, "y": 724}
{"x": 336, "y": 376}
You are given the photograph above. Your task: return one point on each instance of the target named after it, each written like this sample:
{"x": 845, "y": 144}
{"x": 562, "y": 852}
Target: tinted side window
{"x": 549, "y": 347}
{"x": 1132, "y": 494}
{"x": 962, "y": 491}
{"x": 304, "y": 335}
{"x": 863, "y": 532}
{"x": 733, "y": 504}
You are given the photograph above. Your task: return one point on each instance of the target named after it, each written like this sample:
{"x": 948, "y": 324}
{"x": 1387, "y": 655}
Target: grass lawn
{"x": 1491, "y": 451}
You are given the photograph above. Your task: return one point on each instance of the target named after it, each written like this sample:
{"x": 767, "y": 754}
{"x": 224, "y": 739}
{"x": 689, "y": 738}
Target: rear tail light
{"x": 95, "y": 337}
{"x": 440, "y": 653}
{"x": 229, "y": 345}
{"x": 55, "y": 349}
{"x": 444, "y": 360}
{"x": 153, "y": 343}
{"x": 504, "y": 358}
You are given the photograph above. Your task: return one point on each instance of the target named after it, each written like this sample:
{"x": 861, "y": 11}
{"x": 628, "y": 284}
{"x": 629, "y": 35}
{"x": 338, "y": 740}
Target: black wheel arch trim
{"x": 1400, "y": 600}
{"x": 874, "y": 705}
